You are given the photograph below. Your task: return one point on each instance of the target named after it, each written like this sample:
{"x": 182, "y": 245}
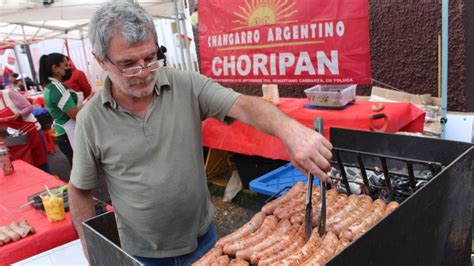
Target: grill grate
{"x": 379, "y": 163}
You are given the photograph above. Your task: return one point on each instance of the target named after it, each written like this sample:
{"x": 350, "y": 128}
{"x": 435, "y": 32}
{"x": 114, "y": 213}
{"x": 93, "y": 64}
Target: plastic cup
{"x": 53, "y": 205}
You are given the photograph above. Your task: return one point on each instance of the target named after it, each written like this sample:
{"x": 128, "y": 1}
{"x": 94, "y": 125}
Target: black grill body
{"x": 433, "y": 225}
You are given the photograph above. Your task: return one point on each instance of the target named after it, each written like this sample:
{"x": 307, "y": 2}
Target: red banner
{"x": 285, "y": 41}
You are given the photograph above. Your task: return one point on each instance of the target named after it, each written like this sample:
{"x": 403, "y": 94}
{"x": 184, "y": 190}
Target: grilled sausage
{"x": 362, "y": 226}
{"x": 271, "y": 206}
{"x": 351, "y": 204}
{"x": 301, "y": 255}
{"x": 331, "y": 200}
{"x": 343, "y": 243}
{"x": 364, "y": 208}
{"x": 391, "y": 207}
{"x": 333, "y": 203}
{"x": 297, "y": 242}
{"x": 274, "y": 248}
{"x": 326, "y": 250}
{"x": 221, "y": 261}
{"x": 237, "y": 262}
{"x": 209, "y": 257}
{"x": 268, "y": 225}
{"x": 297, "y": 205}
{"x": 245, "y": 230}
{"x": 274, "y": 236}
{"x": 294, "y": 203}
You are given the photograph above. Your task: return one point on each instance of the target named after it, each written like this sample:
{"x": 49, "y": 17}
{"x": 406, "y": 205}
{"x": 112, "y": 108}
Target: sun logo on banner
{"x": 264, "y": 12}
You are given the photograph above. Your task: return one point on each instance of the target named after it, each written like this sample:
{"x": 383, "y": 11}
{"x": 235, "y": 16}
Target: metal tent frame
{"x": 29, "y": 22}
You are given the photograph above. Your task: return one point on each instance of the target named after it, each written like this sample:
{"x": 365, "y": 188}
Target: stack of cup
{"x": 270, "y": 93}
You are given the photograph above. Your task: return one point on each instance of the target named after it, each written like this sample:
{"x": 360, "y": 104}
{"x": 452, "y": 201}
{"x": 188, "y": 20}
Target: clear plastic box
{"x": 331, "y": 96}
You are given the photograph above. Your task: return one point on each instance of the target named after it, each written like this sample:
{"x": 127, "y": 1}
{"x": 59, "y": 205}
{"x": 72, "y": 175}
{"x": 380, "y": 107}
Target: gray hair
{"x": 128, "y": 19}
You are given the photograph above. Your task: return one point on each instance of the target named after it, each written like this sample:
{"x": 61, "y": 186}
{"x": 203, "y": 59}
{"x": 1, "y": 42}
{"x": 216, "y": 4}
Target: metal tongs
{"x": 308, "y": 212}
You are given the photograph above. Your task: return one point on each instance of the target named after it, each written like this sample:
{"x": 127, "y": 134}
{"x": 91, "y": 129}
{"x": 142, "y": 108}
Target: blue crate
{"x": 274, "y": 181}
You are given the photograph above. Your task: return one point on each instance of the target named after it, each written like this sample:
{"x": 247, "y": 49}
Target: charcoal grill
{"x": 432, "y": 226}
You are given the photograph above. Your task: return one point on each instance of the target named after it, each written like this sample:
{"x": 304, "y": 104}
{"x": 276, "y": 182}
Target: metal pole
{"x": 30, "y": 62}
{"x": 444, "y": 65}
{"x": 15, "y": 51}
{"x": 176, "y": 11}
{"x": 26, "y": 48}
{"x": 85, "y": 57}
{"x": 187, "y": 44}
{"x": 66, "y": 44}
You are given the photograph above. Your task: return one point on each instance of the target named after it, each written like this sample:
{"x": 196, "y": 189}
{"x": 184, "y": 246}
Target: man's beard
{"x": 127, "y": 90}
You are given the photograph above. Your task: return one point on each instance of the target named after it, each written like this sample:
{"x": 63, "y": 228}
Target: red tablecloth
{"x": 14, "y": 191}
{"x": 244, "y": 139}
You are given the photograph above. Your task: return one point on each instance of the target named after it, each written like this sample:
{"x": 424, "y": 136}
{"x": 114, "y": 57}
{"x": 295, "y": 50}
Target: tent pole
{"x": 66, "y": 44}
{"x": 26, "y": 47}
{"x": 183, "y": 59}
{"x": 187, "y": 46}
{"x": 444, "y": 65}
{"x": 30, "y": 62}
{"x": 85, "y": 56}
{"x": 15, "y": 51}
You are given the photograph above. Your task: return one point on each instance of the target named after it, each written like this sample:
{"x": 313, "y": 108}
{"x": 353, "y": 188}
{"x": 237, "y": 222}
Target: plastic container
{"x": 331, "y": 96}
{"x": 274, "y": 181}
{"x": 53, "y": 205}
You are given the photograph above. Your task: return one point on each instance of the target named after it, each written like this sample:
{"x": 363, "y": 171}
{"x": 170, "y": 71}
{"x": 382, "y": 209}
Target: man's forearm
{"x": 308, "y": 150}
{"x": 262, "y": 115}
{"x": 81, "y": 205}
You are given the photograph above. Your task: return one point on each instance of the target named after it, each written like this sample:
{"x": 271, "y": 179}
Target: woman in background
{"x": 62, "y": 103}
{"x": 78, "y": 81}
{"x": 15, "y": 112}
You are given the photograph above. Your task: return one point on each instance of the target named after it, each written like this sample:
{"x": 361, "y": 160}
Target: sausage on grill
{"x": 274, "y": 236}
{"x": 268, "y": 225}
{"x": 245, "y": 230}
{"x": 209, "y": 257}
{"x": 326, "y": 250}
{"x": 296, "y": 243}
{"x": 281, "y": 244}
{"x": 295, "y": 190}
{"x": 221, "y": 261}
{"x": 237, "y": 262}
{"x": 301, "y": 255}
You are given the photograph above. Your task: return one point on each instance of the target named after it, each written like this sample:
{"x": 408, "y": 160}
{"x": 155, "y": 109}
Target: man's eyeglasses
{"x": 134, "y": 71}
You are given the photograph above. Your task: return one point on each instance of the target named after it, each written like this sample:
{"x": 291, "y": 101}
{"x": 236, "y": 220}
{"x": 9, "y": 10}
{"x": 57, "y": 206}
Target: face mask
{"x": 67, "y": 74}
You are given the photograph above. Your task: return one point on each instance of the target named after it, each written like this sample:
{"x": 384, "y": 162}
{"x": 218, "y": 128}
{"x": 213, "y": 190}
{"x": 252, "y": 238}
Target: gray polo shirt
{"x": 154, "y": 167}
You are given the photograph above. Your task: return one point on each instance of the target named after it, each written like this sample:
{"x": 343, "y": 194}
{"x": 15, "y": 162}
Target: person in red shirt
{"x": 78, "y": 81}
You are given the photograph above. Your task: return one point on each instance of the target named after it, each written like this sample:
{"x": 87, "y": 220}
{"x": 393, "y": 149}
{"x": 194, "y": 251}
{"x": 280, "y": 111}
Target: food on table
{"x": 54, "y": 207}
{"x": 15, "y": 231}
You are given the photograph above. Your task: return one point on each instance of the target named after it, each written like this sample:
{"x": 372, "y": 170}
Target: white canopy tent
{"x": 25, "y": 22}
{"x": 34, "y": 20}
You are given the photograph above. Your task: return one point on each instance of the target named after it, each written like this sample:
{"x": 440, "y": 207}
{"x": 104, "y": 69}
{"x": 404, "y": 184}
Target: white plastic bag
{"x": 233, "y": 187}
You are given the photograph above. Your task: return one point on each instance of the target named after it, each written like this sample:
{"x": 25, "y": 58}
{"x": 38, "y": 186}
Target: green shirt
{"x": 59, "y": 99}
{"x": 154, "y": 166}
